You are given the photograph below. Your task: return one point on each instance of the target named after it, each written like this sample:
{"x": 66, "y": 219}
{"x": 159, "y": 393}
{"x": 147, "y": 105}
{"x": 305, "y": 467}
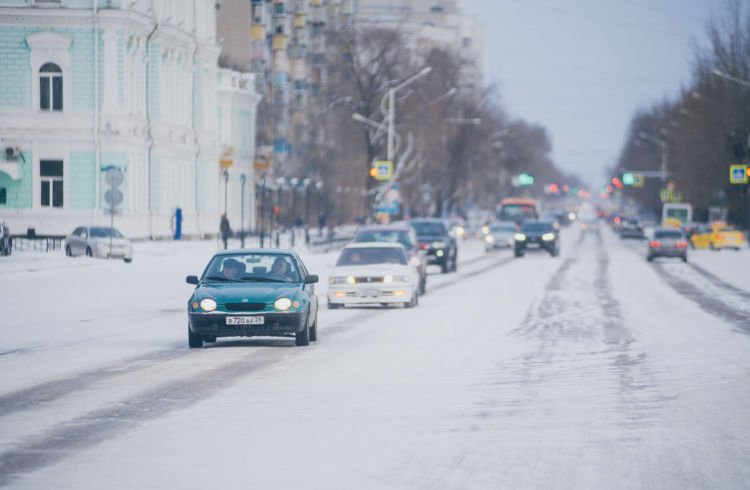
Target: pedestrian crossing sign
{"x": 738, "y": 174}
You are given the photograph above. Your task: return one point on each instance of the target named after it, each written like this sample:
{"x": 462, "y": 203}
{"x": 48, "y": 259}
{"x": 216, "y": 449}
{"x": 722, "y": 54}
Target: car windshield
{"x": 371, "y": 256}
{"x": 252, "y": 267}
{"x": 429, "y": 229}
{"x": 536, "y": 227}
{"x": 668, "y": 234}
{"x": 101, "y": 232}
{"x": 508, "y": 228}
{"x": 395, "y": 236}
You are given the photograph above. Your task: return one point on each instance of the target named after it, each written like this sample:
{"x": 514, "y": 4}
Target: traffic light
{"x": 373, "y": 171}
{"x": 525, "y": 179}
{"x": 628, "y": 179}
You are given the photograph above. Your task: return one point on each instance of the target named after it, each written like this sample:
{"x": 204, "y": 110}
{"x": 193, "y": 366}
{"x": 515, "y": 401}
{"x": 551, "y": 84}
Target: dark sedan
{"x": 539, "y": 235}
{"x": 434, "y": 238}
{"x": 246, "y": 293}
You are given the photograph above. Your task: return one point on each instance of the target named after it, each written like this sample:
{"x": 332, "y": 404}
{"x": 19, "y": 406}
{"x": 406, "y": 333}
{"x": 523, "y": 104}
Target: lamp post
{"x": 243, "y": 179}
{"x": 391, "y": 116}
{"x": 226, "y": 181}
{"x": 663, "y": 145}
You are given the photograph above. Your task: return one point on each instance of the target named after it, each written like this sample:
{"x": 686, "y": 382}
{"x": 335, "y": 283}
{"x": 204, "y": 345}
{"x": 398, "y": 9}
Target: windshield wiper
{"x": 261, "y": 279}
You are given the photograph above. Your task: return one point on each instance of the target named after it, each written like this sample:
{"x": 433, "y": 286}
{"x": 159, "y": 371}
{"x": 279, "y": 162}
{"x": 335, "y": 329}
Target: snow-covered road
{"x": 594, "y": 369}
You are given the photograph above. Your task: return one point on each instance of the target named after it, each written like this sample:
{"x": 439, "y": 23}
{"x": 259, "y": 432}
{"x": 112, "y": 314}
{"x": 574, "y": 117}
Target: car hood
{"x": 254, "y": 292}
{"x": 370, "y": 270}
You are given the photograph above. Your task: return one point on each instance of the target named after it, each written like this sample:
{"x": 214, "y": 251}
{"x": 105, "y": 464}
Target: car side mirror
{"x": 192, "y": 279}
{"x": 311, "y": 279}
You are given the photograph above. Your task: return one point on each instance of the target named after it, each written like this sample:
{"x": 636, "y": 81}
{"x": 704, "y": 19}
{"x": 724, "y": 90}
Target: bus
{"x": 517, "y": 209}
{"x": 676, "y": 214}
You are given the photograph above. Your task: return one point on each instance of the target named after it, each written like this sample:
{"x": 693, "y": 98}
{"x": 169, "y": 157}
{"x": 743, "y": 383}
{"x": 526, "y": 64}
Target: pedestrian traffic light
{"x": 628, "y": 179}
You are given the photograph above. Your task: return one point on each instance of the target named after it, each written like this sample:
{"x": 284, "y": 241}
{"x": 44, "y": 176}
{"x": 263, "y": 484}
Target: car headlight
{"x": 282, "y": 304}
{"x": 485, "y": 230}
{"x": 460, "y": 231}
{"x": 489, "y": 239}
{"x": 548, "y": 236}
{"x": 351, "y": 280}
{"x": 337, "y": 280}
{"x": 388, "y": 279}
{"x": 207, "y": 304}
{"x": 438, "y": 244}
{"x": 519, "y": 237}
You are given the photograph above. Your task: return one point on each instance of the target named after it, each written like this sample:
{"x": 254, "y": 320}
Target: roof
{"x": 270, "y": 251}
{"x": 374, "y": 245}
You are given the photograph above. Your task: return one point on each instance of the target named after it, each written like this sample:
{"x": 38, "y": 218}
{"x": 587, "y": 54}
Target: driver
{"x": 233, "y": 269}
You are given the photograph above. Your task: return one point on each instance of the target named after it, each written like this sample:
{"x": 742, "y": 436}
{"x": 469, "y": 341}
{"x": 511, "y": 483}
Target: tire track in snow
{"x": 105, "y": 423}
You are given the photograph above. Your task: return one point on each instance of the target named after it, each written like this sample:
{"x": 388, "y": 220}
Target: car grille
{"x": 245, "y": 306}
{"x": 367, "y": 279}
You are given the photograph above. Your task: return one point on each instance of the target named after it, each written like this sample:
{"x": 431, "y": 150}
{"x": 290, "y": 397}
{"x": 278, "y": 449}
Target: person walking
{"x": 225, "y": 229}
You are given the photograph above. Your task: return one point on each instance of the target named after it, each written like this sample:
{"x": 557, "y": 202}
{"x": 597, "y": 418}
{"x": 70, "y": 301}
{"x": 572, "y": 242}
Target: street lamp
{"x": 722, "y": 74}
{"x": 243, "y": 179}
{"x": 226, "y": 180}
{"x": 392, "y": 106}
{"x": 661, "y": 144}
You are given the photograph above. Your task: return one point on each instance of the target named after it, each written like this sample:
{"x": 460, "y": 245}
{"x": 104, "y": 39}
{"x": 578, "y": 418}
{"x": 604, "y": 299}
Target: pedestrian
{"x": 226, "y": 230}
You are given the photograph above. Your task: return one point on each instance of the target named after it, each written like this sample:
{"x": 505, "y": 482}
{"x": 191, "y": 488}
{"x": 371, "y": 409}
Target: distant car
{"x": 631, "y": 228}
{"x": 372, "y": 273}
{"x": 590, "y": 226}
{"x": 500, "y": 235}
{"x": 404, "y": 234}
{"x": 98, "y": 241}
{"x": 667, "y": 242}
{"x": 6, "y": 242}
{"x": 248, "y": 293}
{"x": 540, "y": 235}
{"x": 433, "y": 237}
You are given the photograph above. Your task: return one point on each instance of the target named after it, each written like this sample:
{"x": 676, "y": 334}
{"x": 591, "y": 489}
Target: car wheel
{"x": 684, "y": 258}
{"x": 127, "y": 261}
{"x": 649, "y": 258}
{"x": 88, "y": 252}
{"x": 711, "y": 246}
{"x": 194, "y": 340}
{"x": 314, "y": 330}
{"x": 413, "y": 302}
{"x": 455, "y": 262}
{"x": 518, "y": 253}
{"x": 302, "y": 337}
{"x": 68, "y": 253}
{"x": 423, "y": 285}
{"x": 333, "y": 306}
{"x": 444, "y": 267}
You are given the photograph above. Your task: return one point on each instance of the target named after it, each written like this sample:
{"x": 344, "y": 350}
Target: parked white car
{"x": 373, "y": 273}
{"x": 98, "y": 241}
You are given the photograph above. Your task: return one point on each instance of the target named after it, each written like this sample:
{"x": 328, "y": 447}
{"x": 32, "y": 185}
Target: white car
{"x": 373, "y": 273}
{"x": 500, "y": 235}
{"x": 98, "y": 241}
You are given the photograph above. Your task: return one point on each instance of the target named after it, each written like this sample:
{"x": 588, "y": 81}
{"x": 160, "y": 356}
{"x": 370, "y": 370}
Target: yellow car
{"x": 716, "y": 236}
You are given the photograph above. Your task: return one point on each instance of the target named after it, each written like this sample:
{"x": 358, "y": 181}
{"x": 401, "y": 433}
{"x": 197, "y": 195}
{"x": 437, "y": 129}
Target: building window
{"x": 3, "y": 196}
{"x": 51, "y": 178}
{"x": 50, "y": 87}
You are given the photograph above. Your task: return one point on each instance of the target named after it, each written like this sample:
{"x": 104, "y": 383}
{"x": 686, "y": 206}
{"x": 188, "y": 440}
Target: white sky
{"x": 581, "y": 68}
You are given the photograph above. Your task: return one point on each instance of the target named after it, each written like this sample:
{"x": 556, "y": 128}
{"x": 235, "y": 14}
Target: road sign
{"x": 628, "y": 179}
{"x": 113, "y": 197}
{"x": 382, "y": 170}
{"x": 525, "y": 179}
{"x": 113, "y": 177}
{"x": 738, "y": 174}
{"x": 638, "y": 180}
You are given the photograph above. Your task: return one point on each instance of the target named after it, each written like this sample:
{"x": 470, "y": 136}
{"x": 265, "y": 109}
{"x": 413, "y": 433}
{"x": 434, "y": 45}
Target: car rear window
{"x": 667, "y": 234}
{"x": 371, "y": 255}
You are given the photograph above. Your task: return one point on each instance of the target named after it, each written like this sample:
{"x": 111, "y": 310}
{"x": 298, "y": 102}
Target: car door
{"x": 75, "y": 241}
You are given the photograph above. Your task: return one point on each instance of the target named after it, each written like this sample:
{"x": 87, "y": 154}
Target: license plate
{"x": 245, "y": 320}
{"x": 369, "y": 293}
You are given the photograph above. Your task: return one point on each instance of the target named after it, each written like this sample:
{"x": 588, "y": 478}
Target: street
{"x": 593, "y": 369}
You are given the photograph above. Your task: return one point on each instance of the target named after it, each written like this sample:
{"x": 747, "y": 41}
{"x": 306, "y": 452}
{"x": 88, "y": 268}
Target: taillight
{"x": 654, "y": 244}
{"x": 423, "y": 245}
{"x": 682, "y": 245}
{"x": 719, "y": 236}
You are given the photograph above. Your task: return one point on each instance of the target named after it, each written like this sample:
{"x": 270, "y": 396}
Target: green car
{"x": 247, "y": 293}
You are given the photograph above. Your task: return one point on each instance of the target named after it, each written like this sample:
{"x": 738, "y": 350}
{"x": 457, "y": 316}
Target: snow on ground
{"x": 581, "y": 371}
